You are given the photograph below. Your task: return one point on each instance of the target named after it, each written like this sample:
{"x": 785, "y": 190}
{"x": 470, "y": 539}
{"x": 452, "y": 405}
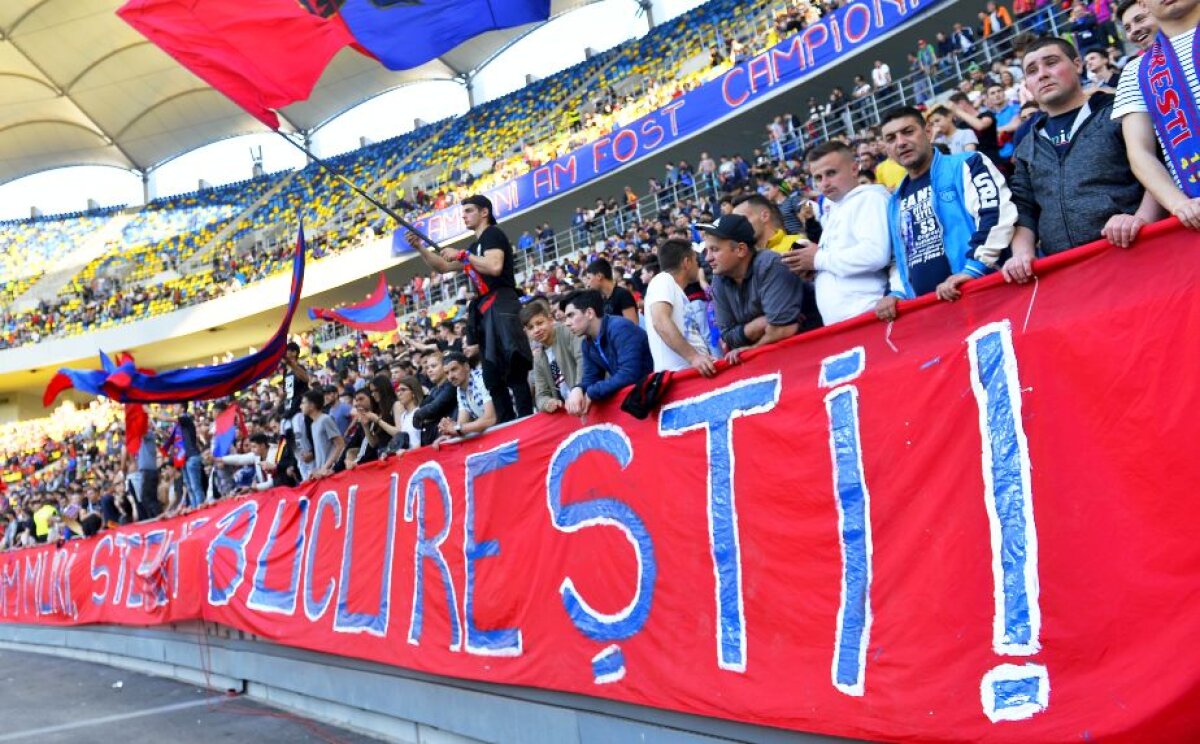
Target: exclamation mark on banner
{"x": 1009, "y": 692}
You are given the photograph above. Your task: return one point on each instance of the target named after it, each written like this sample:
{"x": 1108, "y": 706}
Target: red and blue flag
{"x": 126, "y": 383}
{"x": 228, "y": 425}
{"x": 267, "y": 54}
{"x": 375, "y": 313}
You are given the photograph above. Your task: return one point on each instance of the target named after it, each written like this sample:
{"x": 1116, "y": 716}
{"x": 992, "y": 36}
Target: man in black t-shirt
{"x": 617, "y": 300}
{"x": 492, "y": 316}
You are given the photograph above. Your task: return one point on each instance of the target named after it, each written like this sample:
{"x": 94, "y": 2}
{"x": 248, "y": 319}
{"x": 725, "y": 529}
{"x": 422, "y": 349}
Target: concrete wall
{"x": 394, "y": 704}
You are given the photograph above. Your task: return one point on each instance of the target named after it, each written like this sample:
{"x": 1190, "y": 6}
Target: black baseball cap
{"x": 482, "y": 202}
{"x": 731, "y": 227}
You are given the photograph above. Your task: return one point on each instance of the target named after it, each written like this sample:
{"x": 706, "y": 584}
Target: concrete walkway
{"x": 50, "y": 700}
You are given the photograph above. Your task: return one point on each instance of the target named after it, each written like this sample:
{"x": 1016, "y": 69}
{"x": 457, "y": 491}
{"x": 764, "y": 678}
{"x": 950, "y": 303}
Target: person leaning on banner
{"x": 616, "y": 353}
{"x": 852, "y": 258}
{"x": 559, "y": 360}
{"x": 1072, "y": 184}
{"x": 1157, "y": 106}
{"x": 440, "y": 402}
{"x": 675, "y": 333}
{"x": 757, "y": 300}
{"x": 476, "y": 411}
{"x": 506, "y": 358}
{"x": 950, "y": 219}
{"x": 769, "y": 235}
{"x": 256, "y": 466}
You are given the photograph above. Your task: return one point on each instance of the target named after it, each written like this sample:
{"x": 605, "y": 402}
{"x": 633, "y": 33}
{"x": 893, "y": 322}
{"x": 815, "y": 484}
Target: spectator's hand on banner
{"x": 1122, "y": 229}
{"x": 948, "y": 291}
{"x": 704, "y": 364}
{"x": 885, "y": 309}
{"x": 1188, "y": 212}
{"x": 578, "y": 402}
{"x": 1019, "y": 268}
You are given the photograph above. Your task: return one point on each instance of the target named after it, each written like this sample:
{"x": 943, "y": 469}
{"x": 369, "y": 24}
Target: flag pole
{"x": 353, "y": 187}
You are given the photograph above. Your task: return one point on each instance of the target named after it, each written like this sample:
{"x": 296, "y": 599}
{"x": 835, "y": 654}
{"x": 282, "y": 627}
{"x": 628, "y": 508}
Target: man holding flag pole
{"x": 493, "y": 315}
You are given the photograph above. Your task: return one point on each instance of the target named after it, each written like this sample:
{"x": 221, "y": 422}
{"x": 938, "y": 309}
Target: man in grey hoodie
{"x": 1073, "y": 183}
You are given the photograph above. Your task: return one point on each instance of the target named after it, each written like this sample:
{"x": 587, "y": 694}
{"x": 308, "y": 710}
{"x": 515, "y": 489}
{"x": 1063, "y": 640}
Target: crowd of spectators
{"x": 750, "y": 253}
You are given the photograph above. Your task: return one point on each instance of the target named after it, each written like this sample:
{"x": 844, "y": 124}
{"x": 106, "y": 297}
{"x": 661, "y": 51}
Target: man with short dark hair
{"x": 505, "y": 356}
{"x": 556, "y": 367}
{"x": 950, "y": 218}
{"x": 476, "y": 410}
{"x": 255, "y": 463}
{"x": 982, "y": 122}
{"x": 675, "y": 334}
{"x": 956, "y": 139}
{"x": 616, "y": 353}
{"x": 617, "y": 300}
{"x": 1157, "y": 106}
{"x": 328, "y": 443}
{"x": 1139, "y": 25}
{"x": 758, "y": 301}
{"x": 852, "y": 258}
{"x": 1072, "y": 183}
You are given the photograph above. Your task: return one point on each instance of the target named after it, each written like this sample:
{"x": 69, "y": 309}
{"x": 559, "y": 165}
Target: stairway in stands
{"x": 95, "y": 246}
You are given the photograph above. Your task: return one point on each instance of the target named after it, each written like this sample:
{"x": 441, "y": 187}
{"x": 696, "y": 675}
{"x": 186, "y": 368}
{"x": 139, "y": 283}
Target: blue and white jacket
{"x": 976, "y": 212}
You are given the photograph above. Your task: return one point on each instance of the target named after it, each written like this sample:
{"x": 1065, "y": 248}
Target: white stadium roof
{"x": 80, "y": 87}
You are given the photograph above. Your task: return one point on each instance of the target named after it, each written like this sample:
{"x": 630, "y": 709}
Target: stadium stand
{"x": 46, "y": 460}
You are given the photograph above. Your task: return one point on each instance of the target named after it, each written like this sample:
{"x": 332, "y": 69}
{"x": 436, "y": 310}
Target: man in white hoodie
{"x": 852, "y": 258}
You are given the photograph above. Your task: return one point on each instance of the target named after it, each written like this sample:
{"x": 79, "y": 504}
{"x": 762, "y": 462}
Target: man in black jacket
{"x": 1073, "y": 183}
{"x": 440, "y": 402}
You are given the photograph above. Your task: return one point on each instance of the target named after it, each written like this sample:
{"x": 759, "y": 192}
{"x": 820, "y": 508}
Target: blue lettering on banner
{"x": 100, "y": 572}
{"x": 499, "y": 641}
{"x": 315, "y": 608}
{"x": 375, "y": 623}
{"x": 430, "y": 549}
{"x": 608, "y": 666}
{"x": 1008, "y": 497}
{"x": 279, "y": 601}
{"x": 790, "y": 61}
{"x": 602, "y": 512}
{"x": 134, "y": 598}
{"x": 714, "y": 413}
{"x": 10, "y": 587}
{"x": 156, "y": 537}
{"x": 854, "y": 520}
{"x": 60, "y": 583}
{"x": 122, "y": 546}
{"x": 220, "y": 595}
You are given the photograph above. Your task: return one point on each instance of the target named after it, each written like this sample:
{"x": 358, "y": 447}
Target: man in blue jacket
{"x": 615, "y": 352}
{"x": 950, "y": 218}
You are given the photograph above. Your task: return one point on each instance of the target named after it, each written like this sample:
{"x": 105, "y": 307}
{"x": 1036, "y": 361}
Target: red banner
{"x": 978, "y": 522}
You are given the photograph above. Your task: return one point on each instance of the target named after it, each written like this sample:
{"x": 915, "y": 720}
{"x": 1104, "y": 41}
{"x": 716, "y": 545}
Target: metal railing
{"x": 916, "y": 88}
{"x": 856, "y": 115}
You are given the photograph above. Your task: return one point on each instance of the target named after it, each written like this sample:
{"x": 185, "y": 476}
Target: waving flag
{"x": 128, "y": 384}
{"x": 228, "y": 426}
{"x": 266, "y": 54}
{"x": 375, "y": 313}
{"x": 174, "y": 449}
{"x": 137, "y": 423}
